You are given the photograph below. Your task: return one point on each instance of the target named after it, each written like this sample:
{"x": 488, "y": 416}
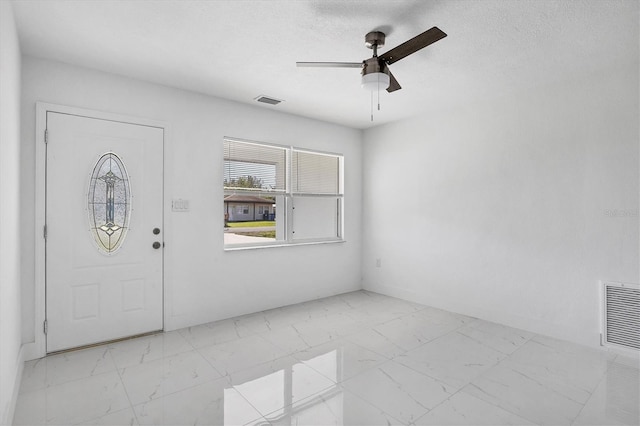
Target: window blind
{"x": 313, "y": 173}
{"x": 250, "y": 167}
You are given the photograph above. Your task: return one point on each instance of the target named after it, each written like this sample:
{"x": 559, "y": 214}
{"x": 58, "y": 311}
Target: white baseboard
{"x": 538, "y": 326}
{"x": 32, "y": 351}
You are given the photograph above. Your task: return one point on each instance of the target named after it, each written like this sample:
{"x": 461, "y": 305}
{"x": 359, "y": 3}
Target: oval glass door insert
{"x": 109, "y": 203}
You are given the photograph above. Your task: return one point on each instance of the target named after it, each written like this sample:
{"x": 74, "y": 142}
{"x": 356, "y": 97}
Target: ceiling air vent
{"x": 267, "y": 100}
{"x": 622, "y": 315}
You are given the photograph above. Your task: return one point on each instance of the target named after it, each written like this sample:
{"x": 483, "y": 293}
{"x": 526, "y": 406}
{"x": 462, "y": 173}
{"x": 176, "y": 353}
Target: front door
{"x": 104, "y": 230}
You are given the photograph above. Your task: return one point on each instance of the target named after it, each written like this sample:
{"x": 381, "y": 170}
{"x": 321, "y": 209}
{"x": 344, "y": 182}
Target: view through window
{"x": 277, "y": 195}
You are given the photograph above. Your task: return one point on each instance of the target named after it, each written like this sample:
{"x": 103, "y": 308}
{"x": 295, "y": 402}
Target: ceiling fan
{"x": 375, "y": 70}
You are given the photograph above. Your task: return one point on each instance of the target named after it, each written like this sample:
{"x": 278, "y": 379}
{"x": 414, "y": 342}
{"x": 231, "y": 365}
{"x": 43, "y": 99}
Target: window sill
{"x": 240, "y": 247}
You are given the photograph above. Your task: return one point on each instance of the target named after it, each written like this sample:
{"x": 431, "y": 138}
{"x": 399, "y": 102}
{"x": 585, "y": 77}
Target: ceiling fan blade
{"x": 413, "y": 45}
{"x": 393, "y": 84}
{"x": 330, "y": 64}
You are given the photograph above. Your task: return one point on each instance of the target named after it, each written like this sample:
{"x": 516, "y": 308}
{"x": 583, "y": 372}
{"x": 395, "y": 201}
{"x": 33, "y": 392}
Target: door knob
{"x": 156, "y": 245}
{"x": 156, "y": 231}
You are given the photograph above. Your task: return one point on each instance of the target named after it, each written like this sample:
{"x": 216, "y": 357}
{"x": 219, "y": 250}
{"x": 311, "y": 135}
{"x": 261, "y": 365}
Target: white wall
{"x": 500, "y": 209}
{"x": 10, "y": 355}
{"x": 202, "y": 282}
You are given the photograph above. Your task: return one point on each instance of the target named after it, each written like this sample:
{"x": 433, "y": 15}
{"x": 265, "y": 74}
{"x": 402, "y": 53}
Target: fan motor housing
{"x": 372, "y": 65}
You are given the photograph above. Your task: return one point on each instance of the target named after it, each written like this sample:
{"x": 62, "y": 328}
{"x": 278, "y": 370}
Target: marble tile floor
{"x": 355, "y": 359}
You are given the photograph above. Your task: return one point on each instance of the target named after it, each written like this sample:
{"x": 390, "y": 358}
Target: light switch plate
{"x": 180, "y": 205}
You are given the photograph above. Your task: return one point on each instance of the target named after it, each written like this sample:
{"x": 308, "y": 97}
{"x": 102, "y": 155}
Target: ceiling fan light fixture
{"x": 375, "y": 81}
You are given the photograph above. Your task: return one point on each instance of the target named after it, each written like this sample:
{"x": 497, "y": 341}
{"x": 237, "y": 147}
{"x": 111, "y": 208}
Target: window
{"x": 109, "y": 203}
{"x": 304, "y": 187}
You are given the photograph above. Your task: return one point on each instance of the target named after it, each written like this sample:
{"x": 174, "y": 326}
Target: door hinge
{"x": 46, "y": 135}
{"x": 45, "y": 327}
{"x": 44, "y": 232}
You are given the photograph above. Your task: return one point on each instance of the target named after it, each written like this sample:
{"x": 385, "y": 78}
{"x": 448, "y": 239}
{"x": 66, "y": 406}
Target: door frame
{"x": 38, "y": 348}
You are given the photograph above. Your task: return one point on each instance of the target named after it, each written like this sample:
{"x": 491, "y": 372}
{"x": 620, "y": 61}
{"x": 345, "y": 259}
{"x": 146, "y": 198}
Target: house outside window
{"x": 303, "y": 186}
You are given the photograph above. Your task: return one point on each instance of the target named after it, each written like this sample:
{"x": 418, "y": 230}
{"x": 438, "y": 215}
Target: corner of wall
{"x": 10, "y": 407}
{"x": 11, "y": 353}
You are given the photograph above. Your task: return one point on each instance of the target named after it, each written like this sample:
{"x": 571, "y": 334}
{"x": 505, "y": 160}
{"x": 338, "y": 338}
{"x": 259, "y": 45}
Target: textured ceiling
{"x": 241, "y": 49}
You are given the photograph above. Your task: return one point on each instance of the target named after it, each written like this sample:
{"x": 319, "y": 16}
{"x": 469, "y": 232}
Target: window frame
{"x": 289, "y": 196}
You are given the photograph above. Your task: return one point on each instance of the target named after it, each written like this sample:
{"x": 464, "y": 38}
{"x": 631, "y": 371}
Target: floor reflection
{"x": 297, "y": 393}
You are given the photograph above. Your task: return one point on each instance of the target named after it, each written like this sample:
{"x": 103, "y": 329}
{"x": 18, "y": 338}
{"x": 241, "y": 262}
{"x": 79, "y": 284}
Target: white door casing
{"x": 93, "y": 296}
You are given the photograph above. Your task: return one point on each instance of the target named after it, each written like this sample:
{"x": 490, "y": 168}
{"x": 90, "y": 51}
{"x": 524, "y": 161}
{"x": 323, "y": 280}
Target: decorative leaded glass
{"x": 109, "y": 202}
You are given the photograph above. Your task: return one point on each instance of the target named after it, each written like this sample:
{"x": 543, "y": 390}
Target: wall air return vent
{"x": 621, "y": 309}
{"x": 267, "y": 100}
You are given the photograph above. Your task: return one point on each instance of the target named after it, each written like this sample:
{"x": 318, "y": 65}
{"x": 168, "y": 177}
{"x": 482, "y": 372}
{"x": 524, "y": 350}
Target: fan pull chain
{"x": 377, "y": 99}
{"x": 372, "y": 106}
